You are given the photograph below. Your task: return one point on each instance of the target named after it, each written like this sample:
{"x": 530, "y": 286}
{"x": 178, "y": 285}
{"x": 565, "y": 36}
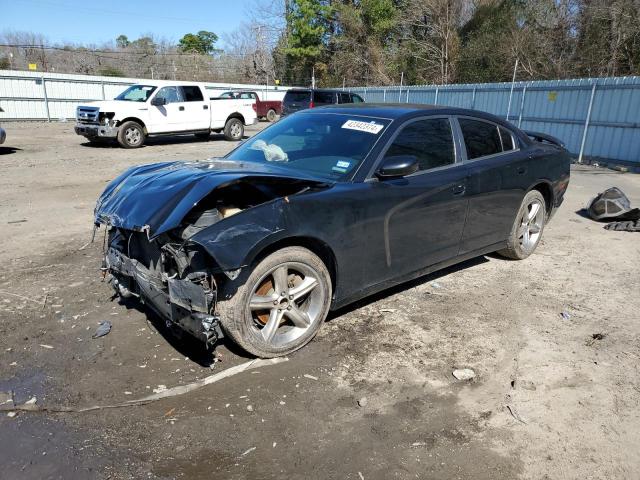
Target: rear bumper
{"x": 94, "y": 131}
{"x": 181, "y": 303}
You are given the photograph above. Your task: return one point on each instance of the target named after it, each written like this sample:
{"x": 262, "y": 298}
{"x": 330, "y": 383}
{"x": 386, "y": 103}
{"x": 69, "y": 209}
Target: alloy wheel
{"x": 531, "y": 225}
{"x": 132, "y": 135}
{"x": 285, "y": 303}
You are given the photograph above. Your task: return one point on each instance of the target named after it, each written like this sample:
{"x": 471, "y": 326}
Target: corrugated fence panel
{"x": 557, "y": 107}
{"x": 43, "y": 96}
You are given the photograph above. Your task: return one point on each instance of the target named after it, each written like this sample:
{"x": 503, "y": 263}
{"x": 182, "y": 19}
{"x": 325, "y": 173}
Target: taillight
{"x": 311, "y": 105}
{"x": 255, "y": 107}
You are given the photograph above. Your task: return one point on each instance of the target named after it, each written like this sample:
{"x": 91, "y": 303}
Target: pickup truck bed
{"x": 268, "y": 109}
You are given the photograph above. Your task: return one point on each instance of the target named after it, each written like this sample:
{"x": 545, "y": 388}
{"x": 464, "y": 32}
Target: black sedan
{"x": 321, "y": 209}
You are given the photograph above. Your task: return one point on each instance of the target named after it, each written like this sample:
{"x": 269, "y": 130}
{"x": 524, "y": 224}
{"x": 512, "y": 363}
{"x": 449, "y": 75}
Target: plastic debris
{"x": 565, "y": 315}
{"x": 46, "y": 346}
{"x": 11, "y": 414}
{"x": 310, "y": 377}
{"x": 514, "y": 413}
{"x": 363, "y": 402}
{"x": 249, "y": 408}
{"x": 31, "y": 401}
{"x": 248, "y": 451}
{"x": 464, "y": 374}
{"x": 160, "y": 389}
{"x": 103, "y": 329}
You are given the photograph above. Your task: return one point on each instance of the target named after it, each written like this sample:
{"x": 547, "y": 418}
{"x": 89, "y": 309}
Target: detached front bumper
{"x": 90, "y": 130}
{"x": 183, "y": 303}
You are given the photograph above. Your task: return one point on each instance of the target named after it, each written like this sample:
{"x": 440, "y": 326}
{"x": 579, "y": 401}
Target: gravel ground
{"x": 373, "y": 397}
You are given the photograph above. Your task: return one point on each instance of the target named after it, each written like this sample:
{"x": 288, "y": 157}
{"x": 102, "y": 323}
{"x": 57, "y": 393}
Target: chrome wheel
{"x": 531, "y": 224}
{"x": 236, "y": 130}
{"x": 285, "y": 303}
{"x": 132, "y": 135}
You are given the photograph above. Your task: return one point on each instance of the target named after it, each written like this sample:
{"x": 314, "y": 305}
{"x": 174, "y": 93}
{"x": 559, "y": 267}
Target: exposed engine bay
{"x": 174, "y": 274}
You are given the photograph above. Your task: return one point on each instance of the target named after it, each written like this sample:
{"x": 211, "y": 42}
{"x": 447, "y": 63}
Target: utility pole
{"x": 313, "y": 77}
{"x": 515, "y": 68}
{"x": 400, "y": 89}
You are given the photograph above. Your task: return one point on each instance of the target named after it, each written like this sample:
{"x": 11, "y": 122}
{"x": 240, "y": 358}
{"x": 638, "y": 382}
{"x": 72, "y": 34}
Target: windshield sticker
{"x": 369, "y": 127}
{"x": 341, "y": 167}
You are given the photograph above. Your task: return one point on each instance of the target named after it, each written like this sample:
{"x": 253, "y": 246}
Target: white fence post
{"x": 524, "y": 92}
{"x": 46, "y": 98}
{"x": 586, "y": 123}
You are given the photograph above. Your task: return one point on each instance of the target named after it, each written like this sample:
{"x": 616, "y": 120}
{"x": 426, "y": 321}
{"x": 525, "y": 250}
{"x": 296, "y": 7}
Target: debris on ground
{"x": 46, "y": 346}
{"x": 161, "y": 388}
{"x": 595, "y": 338}
{"x": 387, "y": 310}
{"x": 103, "y": 329}
{"x": 514, "y": 413}
{"x": 436, "y": 285}
{"x": 6, "y": 398}
{"x": 11, "y": 414}
{"x": 310, "y": 377}
{"x": 565, "y": 315}
{"x": 624, "y": 226}
{"x": 248, "y": 451}
{"x": 613, "y": 205}
{"x": 464, "y": 374}
{"x": 363, "y": 402}
{"x": 249, "y": 408}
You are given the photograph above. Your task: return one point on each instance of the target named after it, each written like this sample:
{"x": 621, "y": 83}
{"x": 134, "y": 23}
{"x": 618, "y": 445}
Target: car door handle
{"x": 181, "y": 109}
{"x": 205, "y": 107}
{"x": 521, "y": 170}
{"x": 458, "y": 189}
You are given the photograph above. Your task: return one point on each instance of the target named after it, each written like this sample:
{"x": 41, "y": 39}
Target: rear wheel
{"x": 281, "y": 305}
{"x": 131, "y": 135}
{"x": 527, "y": 227}
{"x": 234, "y": 129}
{"x": 271, "y": 115}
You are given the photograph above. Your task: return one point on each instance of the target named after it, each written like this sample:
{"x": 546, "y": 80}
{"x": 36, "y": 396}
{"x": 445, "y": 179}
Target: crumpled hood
{"x": 158, "y": 196}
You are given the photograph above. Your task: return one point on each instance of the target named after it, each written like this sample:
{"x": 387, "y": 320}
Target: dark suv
{"x": 302, "y": 98}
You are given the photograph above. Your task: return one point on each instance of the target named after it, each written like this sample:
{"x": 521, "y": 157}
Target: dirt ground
{"x": 373, "y": 397}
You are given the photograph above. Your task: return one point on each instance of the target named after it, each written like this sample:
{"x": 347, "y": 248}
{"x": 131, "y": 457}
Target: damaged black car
{"x": 321, "y": 209}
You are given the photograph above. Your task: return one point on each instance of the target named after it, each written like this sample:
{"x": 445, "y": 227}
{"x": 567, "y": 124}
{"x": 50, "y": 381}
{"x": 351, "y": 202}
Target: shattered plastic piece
{"x": 311, "y": 377}
{"x": 612, "y": 204}
{"x": 363, "y": 402}
{"x": 46, "y": 346}
{"x": 436, "y": 285}
{"x": 564, "y": 314}
{"x": 248, "y": 451}
{"x": 514, "y": 413}
{"x": 161, "y": 388}
{"x": 249, "y": 408}
{"x": 103, "y": 329}
{"x": 11, "y": 414}
{"x": 464, "y": 374}
{"x": 31, "y": 401}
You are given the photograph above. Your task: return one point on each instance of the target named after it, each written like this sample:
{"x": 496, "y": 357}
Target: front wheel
{"x": 131, "y": 135}
{"x": 271, "y": 115}
{"x": 234, "y": 129}
{"x": 527, "y": 227}
{"x": 281, "y": 305}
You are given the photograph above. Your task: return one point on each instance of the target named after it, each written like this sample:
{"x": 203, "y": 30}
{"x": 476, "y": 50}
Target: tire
{"x": 527, "y": 227}
{"x": 271, "y": 115}
{"x": 277, "y": 325}
{"x": 234, "y": 130}
{"x": 131, "y": 135}
{"x": 203, "y": 135}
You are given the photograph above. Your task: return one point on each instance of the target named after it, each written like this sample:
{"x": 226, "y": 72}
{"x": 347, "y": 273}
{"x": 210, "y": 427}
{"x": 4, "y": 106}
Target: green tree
{"x": 122, "y": 41}
{"x": 202, "y": 42}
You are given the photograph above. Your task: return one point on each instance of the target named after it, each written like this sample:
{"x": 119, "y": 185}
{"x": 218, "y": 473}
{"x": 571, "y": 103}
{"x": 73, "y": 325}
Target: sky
{"x": 97, "y": 22}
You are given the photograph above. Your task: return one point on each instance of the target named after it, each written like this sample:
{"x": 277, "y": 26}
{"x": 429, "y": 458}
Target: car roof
{"x": 303, "y": 89}
{"x": 395, "y": 111}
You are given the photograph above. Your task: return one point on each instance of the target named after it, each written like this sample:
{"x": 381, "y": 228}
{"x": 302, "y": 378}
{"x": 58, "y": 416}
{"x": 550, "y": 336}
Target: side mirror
{"x": 397, "y": 166}
{"x": 158, "y": 101}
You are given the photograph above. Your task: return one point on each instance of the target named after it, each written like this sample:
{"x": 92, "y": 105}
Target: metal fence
{"x": 597, "y": 118}
{"x": 51, "y": 96}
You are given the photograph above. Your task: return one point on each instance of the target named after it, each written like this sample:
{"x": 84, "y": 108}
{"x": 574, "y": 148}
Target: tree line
{"x": 370, "y": 42}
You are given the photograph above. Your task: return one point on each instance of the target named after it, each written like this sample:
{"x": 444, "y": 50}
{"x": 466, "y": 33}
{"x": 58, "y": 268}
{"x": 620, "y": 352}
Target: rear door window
{"x": 324, "y": 98}
{"x": 298, "y": 96}
{"x": 356, "y": 98}
{"x": 344, "y": 97}
{"x": 507, "y": 139}
{"x": 192, "y": 93}
{"x": 429, "y": 140}
{"x": 481, "y": 138}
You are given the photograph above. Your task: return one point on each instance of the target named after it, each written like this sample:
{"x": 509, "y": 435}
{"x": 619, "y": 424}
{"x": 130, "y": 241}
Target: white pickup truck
{"x": 163, "y": 108}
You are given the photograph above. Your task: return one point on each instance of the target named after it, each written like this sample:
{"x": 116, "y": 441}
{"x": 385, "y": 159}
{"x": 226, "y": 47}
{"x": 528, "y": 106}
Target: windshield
{"x": 322, "y": 144}
{"x": 136, "y": 93}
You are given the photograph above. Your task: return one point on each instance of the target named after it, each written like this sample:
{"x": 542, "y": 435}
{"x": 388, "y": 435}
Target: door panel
{"x": 168, "y": 117}
{"x": 197, "y": 115}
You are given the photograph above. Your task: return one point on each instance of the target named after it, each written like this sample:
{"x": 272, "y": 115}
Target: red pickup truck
{"x": 268, "y": 109}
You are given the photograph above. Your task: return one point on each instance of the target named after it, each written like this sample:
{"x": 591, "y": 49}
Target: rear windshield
{"x": 327, "y": 145}
{"x": 299, "y": 96}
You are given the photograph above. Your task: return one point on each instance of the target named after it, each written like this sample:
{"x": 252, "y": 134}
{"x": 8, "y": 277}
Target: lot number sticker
{"x": 369, "y": 127}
